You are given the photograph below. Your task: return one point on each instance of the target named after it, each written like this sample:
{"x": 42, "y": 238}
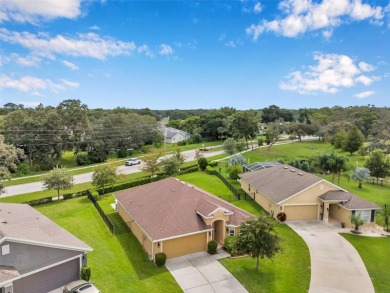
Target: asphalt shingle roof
{"x": 22, "y": 222}
{"x": 279, "y": 182}
{"x": 348, "y": 200}
{"x": 168, "y": 208}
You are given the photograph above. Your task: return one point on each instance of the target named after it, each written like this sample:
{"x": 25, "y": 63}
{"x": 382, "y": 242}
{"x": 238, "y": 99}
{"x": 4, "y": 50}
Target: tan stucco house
{"x": 175, "y": 218}
{"x": 304, "y": 196}
{"x": 36, "y": 254}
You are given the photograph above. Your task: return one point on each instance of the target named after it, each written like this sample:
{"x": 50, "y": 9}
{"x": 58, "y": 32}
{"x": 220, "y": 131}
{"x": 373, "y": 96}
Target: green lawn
{"x": 118, "y": 262}
{"x": 289, "y": 271}
{"x": 375, "y": 253}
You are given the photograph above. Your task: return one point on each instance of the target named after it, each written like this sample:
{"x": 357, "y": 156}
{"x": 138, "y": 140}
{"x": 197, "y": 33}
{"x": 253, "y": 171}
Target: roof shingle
{"x": 168, "y": 208}
{"x": 280, "y": 182}
{"x": 348, "y": 200}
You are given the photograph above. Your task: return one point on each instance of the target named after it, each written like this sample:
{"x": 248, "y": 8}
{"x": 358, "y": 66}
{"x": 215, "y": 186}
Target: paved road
{"x": 87, "y": 177}
{"x": 202, "y": 273}
{"x": 336, "y": 266}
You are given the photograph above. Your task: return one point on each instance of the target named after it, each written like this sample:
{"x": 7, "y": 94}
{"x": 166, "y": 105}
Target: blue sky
{"x": 187, "y": 54}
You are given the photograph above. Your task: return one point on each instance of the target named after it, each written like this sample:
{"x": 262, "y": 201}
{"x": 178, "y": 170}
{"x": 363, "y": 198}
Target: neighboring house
{"x": 304, "y": 196}
{"x": 176, "y": 218}
{"x": 173, "y": 135}
{"x": 37, "y": 255}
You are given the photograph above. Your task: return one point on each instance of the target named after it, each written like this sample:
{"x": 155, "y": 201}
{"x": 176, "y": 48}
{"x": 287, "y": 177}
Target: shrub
{"x": 188, "y": 170}
{"x": 181, "y": 143}
{"x": 22, "y": 170}
{"x": 230, "y": 245}
{"x": 260, "y": 141}
{"x": 67, "y": 196}
{"x": 122, "y": 153}
{"x": 236, "y": 160}
{"x": 281, "y": 217}
{"x": 144, "y": 149}
{"x": 212, "y": 247}
{"x": 82, "y": 160}
{"x": 85, "y": 273}
{"x": 95, "y": 194}
{"x": 234, "y": 171}
{"x": 240, "y": 146}
{"x": 195, "y": 138}
{"x": 202, "y": 162}
{"x": 209, "y": 170}
{"x": 40, "y": 201}
{"x": 213, "y": 164}
{"x": 160, "y": 259}
{"x": 97, "y": 155}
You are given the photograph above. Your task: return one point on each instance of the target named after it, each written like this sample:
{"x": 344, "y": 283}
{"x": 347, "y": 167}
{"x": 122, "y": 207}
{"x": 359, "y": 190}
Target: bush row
{"x": 40, "y": 201}
{"x": 76, "y": 194}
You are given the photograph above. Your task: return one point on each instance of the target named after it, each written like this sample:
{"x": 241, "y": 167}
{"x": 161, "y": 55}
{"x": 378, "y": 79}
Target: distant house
{"x": 37, "y": 255}
{"x": 175, "y": 218}
{"x": 304, "y": 196}
{"x": 173, "y": 135}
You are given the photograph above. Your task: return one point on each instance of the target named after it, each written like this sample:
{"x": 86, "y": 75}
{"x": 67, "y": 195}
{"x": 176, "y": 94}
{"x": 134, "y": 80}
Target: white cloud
{"x": 35, "y": 11}
{"x": 366, "y": 67}
{"x": 165, "y": 49}
{"x": 363, "y": 95}
{"x": 28, "y": 61}
{"x": 257, "y": 8}
{"x": 95, "y": 28}
{"x": 34, "y": 85}
{"x": 69, "y": 83}
{"x": 70, "y": 65}
{"x": 85, "y": 45}
{"x": 144, "y": 49}
{"x": 331, "y": 73}
{"x": 301, "y": 16}
{"x": 234, "y": 44}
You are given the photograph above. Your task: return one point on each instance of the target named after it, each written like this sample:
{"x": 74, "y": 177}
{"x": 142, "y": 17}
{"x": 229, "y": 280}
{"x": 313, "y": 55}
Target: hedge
{"x": 213, "y": 164}
{"x": 209, "y": 170}
{"x": 126, "y": 185}
{"x": 40, "y": 201}
{"x": 76, "y": 194}
{"x": 189, "y": 170}
{"x": 160, "y": 259}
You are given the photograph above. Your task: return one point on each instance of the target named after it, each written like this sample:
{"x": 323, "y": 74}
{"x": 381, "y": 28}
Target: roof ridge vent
{"x": 285, "y": 167}
{"x": 300, "y": 174}
{"x": 292, "y": 170}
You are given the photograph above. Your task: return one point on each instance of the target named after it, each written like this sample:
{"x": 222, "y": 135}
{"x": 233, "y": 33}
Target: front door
{"x": 219, "y": 231}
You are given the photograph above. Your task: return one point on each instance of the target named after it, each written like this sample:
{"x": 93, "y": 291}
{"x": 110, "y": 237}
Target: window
{"x": 5, "y": 249}
{"x": 365, "y": 215}
{"x": 231, "y": 231}
{"x": 249, "y": 187}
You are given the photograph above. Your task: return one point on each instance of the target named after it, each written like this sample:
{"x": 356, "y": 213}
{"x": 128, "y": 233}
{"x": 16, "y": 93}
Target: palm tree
{"x": 357, "y": 221}
{"x": 361, "y": 174}
{"x": 338, "y": 164}
{"x": 385, "y": 214}
{"x": 321, "y": 162}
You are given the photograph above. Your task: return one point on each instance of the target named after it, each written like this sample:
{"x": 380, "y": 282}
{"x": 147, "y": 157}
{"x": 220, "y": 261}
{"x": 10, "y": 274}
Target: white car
{"x": 132, "y": 161}
{"x": 80, "y": 286}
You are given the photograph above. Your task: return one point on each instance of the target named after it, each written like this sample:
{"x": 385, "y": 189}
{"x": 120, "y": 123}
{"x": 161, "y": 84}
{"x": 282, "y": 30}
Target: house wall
{"x": 343, "y": 215}
{"x": 218, "y": 215}
{"x": 27, "y": 257}
{"x": 260, "y": 198}
{"x": 137, "y": 231}
{"x": 311, "y": 194}
{"x": 185, "y": 245}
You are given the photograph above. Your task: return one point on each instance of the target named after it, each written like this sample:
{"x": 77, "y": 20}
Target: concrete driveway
{"x": 336, "y": 266}
{"x": 202, "y": 273}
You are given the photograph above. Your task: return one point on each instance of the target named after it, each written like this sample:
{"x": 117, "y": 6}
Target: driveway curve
{"x": 336, "y": 266}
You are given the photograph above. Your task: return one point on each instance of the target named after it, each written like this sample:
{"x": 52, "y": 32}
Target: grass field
{"x": 375, "y": 253}
{"x": 118, "y": 263}
{"x": 289, "y": 271}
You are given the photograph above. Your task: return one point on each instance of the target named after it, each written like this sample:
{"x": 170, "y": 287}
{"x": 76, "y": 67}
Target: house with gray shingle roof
{"x": 37, "y": 255}
{"x": 176, "y": 218}
{"x": 173, "y": 135}
{"x": 304, "y": 196}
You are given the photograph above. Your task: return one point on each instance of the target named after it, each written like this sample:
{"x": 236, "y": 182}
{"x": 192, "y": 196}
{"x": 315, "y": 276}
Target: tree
{"x": 151, "y": 163}
{"x": 272, "y": 134}
{"x": 384, "y": 212}
{"x": 10, "y": 157}
{"x": 259, "y": 238}
{"x": 178, "y": 156}
{"x": 357, "y": 221}
{"x": 379, "y": 164}
{"x": 229, "y": 146}
{"x": 104, "y": 175}
{"x": 236, "y": 160}
{"x": 361, "y": 174}
{"x": 353, "y": 141}
{"x": 321, "y": 162}
{"x": 58, "y": 179}
{"x": 202, "y": 162}
{"x": 337, "y": 165}
{"x": 170, "y": 166}
{"x": 339, "y": 138}
{"x": 245, "y": 124}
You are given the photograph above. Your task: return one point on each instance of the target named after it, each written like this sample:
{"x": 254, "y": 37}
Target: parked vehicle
{"x": 132, "y": 161}
{"x": 80, "y": 286}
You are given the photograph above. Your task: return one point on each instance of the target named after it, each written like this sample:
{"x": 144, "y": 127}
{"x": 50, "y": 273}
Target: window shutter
{"x": 372, "y": 216}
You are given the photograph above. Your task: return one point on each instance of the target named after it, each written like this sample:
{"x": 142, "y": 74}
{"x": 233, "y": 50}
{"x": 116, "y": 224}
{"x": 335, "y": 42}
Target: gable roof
{"x": 22, "y": 223}
{"x": 170, "y": 208}
{"x": 170, "y": 132}
{"x": 348, "y": 200}
{"x": 280, "y": 182}
{"x": 7, "y": 273}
